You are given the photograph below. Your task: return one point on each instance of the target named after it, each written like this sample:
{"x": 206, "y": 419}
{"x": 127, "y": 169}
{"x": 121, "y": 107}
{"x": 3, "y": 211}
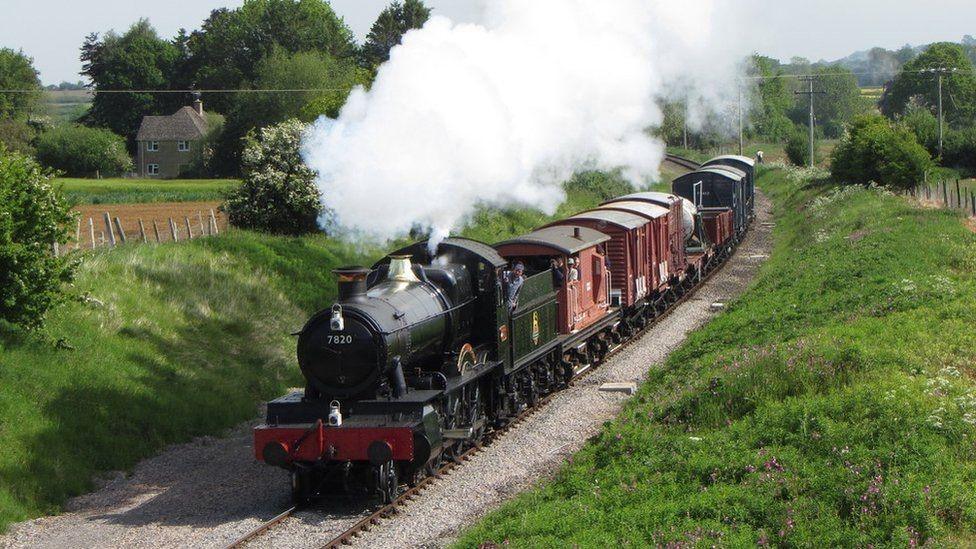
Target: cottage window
{"x": 152, "y": 146}
{"x": 182, "y": 146}
{"x": 152, "y": 169}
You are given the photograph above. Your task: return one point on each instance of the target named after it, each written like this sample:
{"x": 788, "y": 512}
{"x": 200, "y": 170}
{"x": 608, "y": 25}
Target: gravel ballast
{"x": 210, "y": 491}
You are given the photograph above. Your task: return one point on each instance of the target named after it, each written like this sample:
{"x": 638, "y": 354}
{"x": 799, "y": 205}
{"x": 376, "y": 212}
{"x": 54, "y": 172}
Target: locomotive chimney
{"x": 577, "y": 233}
{"x": 401, "y": 270}
{"x": 352, "y": 282}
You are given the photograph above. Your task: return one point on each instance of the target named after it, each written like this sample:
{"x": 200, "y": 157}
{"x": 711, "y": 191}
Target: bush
{"x": 79, "y": 151}
{"x": 798, "y": 148}
{"x": 278, "y": 194}
{"x": 875, "y": 150}
{"x": 33, "y": 216}
{"x": 960, "y": 149}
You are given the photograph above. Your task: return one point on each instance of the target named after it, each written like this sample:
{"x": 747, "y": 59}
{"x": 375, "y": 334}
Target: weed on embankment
{"x": 833, "y": 404}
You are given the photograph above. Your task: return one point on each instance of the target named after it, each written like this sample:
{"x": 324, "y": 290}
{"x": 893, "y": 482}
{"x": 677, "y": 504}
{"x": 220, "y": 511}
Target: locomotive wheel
{"x": 387, "y": 483}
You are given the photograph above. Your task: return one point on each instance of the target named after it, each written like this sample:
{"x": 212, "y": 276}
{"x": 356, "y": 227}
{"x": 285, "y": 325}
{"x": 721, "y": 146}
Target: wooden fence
{"x": 950, "y": 195}
{"x": 109, "y": 231}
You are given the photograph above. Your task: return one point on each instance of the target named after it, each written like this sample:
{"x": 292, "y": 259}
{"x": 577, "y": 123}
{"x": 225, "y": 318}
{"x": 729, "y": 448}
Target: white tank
{"x": 688, "y": 209}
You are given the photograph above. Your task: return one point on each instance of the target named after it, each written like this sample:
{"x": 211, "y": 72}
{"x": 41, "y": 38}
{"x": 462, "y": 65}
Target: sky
{"x": 51, "y": 31}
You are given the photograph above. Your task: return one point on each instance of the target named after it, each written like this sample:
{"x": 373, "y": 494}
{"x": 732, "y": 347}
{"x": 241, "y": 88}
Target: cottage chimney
{"x": 198, "y": 106}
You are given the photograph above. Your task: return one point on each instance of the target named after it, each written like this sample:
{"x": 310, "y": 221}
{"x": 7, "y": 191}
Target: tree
{"x": 79, "y": 151}
{"x": 136, "y": 60}
{"x": 921, "y": 122}
{"x": 16, "y": 136}
{"x": 17, "y": 72}
{"x": 389, "y": 28}
{"x": 875, "y": 150}
{"x": 330, "y": 79}
{"x": 917, "y": 81}
{"x": 230, "y": 45}
{"x": 278, "y": 193}
{"x": 33, "y": 216}
{"x": 770, "y": 100}
{"x": 837, "y": 107}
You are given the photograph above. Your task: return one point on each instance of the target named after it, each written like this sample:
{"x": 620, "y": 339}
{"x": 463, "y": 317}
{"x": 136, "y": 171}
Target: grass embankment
{"x": 136, "y": 191}
{"x": 831, "y": 405}
{"x": 171, "y": 342}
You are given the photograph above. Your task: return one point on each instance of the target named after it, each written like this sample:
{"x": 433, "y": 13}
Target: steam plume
{"x": 502, "y": 113}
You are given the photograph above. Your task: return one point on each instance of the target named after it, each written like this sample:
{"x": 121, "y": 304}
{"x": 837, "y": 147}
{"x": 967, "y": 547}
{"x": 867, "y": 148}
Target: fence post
{"x": 108, "y": 229}
{"x": 91, "y": 231}
{"x": 203, "y": 230}
{"x": 142, "y": 231}
{"x": 78, "y": 234}
{"x": 172, "y": 230}
{"x": 156, "y": 230}
{"x": 118, "y": 225}
{"x": 189, "y": 231}
{"x": 55, "y": 248}
{"x": 213, "y": 219}
{"x": 945, "y": 195}
{"x": 972, "y": 196}
{"x": 958, "y": 195}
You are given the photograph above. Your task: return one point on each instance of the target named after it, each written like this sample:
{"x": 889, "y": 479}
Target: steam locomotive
{"x": 426, "y": 352}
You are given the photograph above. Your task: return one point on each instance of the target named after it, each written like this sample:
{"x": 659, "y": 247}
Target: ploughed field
{"x": 833, "y": 404}
{"x": 160, "y": 212}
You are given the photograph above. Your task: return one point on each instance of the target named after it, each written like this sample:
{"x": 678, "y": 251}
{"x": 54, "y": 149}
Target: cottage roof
{"x": 185, "y": 124}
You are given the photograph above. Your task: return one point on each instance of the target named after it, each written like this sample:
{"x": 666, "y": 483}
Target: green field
{"x": 163, "y": 343}
{"x": 832, "y": 405}
{"x": 134, "y": 191}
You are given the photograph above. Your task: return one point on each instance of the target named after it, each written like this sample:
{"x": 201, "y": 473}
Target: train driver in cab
{"x": 514, "y": 280}
{"x": 558, "y": 276}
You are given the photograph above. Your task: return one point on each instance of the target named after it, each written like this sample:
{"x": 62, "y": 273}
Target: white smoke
{"x": 502, "y": 113}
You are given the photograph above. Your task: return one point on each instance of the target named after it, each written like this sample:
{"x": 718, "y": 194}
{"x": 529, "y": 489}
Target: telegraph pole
{"x": 684, "y": 129}
{"x": 740, "y": 117}
{"x": 810, "y": 94}
{"x": 940, "y": 72}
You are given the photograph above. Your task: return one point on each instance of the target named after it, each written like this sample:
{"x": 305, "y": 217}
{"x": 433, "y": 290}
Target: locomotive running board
{"x": 458, "y": 434}
{"x": 463, "y": 433}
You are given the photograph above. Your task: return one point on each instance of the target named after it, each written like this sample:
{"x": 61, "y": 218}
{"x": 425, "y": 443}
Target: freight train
{"x": 424, "y": 354}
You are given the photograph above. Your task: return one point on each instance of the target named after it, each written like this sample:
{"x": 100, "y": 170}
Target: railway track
{"x": 387, "y": 511}
{"x": 682, "y": 161}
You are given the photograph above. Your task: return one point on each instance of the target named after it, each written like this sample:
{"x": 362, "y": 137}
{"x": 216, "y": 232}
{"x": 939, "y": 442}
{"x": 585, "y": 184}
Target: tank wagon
{"x": 425, "y": 353}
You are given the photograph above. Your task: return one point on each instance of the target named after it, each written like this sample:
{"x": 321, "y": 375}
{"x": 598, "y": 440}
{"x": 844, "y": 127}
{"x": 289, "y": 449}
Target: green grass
{"x": 134, "y": 191}
{"x": 831, "y": 405}
{"x": 169, "y": 342}
{"x": 174, "y": 341}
